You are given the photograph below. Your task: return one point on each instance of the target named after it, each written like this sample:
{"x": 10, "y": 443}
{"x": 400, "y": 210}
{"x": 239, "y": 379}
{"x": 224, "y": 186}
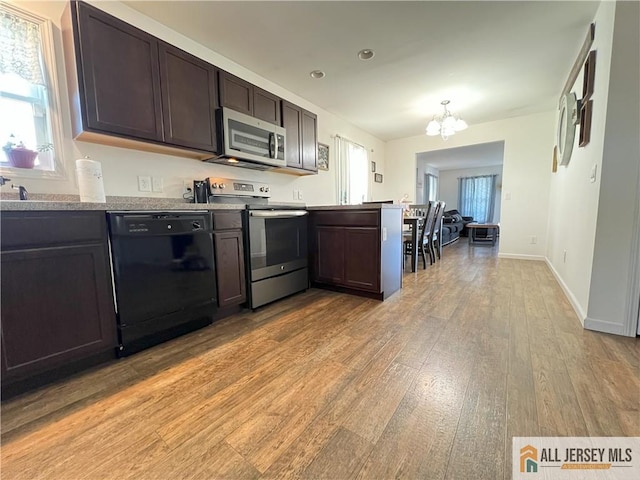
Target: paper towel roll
{"x": 89, "y": 174}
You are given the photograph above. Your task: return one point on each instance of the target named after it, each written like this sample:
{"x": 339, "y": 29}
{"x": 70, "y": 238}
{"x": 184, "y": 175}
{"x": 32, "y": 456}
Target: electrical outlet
{"x": 157, "y": 184}
{"x": 534, "y": 240}
{"x": 296, "y": 193}
{"x": 187, "y": 187}
{"x": 564, "y": 257}
{"x": 144, "y": 183}
{"x": 300, "y": 196}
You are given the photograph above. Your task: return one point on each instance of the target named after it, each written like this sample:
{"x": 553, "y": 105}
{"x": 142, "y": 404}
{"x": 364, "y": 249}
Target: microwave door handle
{"x": 272, "y": 143}
{"x": 275, "y": 148}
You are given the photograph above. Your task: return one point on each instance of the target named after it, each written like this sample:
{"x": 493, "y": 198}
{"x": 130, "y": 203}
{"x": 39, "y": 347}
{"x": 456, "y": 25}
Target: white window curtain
{"x": 20, "y": 50}
{"x": 353, "y": 172}
{"x": 431, "y": 188}
{"x": 477, "y": 197}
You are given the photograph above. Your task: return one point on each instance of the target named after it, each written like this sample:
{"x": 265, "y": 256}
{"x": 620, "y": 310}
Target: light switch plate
{"x": 157, "y": 184}
{"x": 594, "y": 173}
{"x": 144, "y": 183}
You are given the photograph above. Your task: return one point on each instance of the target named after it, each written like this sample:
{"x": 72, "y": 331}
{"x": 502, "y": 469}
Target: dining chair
{"x": 425, "y": 234}
{"x": 437, "y": 229}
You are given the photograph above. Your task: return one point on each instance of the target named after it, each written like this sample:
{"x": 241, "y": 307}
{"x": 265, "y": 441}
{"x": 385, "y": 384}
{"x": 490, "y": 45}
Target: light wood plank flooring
{"x": 431, "y": 384}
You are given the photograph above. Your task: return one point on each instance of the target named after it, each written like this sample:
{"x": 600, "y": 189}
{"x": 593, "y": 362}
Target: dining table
{"x": 414, "y": 223}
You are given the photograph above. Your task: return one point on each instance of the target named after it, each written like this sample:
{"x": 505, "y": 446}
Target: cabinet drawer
{"x": 364, "y": 218}
{"x": 226, "y": 220}
{"x": 26, "y": 229}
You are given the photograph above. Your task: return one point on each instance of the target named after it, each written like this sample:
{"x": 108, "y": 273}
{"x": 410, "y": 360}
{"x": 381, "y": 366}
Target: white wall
{"x": 597, "y": 223}
{"x": 572, "y": 220}
{"x": 449, "y": 186}
{"x": 528, "y": 150}
{"x": 122, "y": 166}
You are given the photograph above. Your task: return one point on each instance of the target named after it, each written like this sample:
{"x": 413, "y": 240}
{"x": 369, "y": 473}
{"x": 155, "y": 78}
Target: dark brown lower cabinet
{"x": 357, "y": 250}
{"x": 361, "y": 247}
{"x": 329, "y": 253}
{"x": 229, "y": 257}
{"x": 57, "y": 300}
{"x": 229, "y": 251}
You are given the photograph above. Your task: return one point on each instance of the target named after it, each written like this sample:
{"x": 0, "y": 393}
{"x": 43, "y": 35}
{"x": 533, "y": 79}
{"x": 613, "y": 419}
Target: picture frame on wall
{"x": 323, "y": 156}
{"x": 377, "y": 178}
{"x": 373, "y": 167}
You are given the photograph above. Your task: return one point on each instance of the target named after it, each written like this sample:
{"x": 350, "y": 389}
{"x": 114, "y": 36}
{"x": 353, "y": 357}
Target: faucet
{"x": 22, "y": 192}
{"x": 4, "y": 180}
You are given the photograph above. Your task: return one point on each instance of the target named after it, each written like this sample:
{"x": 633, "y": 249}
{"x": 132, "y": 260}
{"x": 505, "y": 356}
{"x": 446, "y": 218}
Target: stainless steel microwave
{"x": 249, "y": 142}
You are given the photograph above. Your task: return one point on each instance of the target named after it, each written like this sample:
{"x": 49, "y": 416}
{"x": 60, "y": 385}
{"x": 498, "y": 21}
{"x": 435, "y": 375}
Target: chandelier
{"x": 446, "y": 124}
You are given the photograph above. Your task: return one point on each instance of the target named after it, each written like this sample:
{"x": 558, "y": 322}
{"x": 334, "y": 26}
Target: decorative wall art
{"x": 323, "y": 156}
{"x": 586, "y": 104}
{"x": 377, "y": 178}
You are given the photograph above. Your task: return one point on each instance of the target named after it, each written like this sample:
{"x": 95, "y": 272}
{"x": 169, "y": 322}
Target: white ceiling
{"x": 493, "y": 60}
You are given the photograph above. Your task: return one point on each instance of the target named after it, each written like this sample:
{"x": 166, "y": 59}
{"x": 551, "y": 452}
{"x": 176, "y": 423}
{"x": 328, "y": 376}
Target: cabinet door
{"x": 230, "y": 273}
{"x": 309, "y": 141}
{"x": 292, "y": 121}
{"x": 266, "y": 106}
{"x": 119, "y": 77}
{"x": 57, "y": 306}
{"x": 330, "y": 255}
{"x": 188, "y": 99}
{"x": 235, "y": 93}
{"x": 362, "y": 258}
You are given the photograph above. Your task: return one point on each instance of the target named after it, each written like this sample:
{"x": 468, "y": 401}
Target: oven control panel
{"x": 237, "y": 188}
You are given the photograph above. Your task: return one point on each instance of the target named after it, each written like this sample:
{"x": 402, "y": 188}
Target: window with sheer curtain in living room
{"x": 476, "y": 197}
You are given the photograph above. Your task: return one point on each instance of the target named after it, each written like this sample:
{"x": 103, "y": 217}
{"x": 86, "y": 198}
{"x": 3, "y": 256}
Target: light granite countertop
{"x": 10, "y": 202}
{"x": 153, "y": 204}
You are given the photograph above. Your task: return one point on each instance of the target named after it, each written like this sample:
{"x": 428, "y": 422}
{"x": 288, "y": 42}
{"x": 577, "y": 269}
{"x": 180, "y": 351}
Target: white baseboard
{"x": 572, "y": 299}
{"x": 517, "y": 256}
{"x": 605, "y": 327}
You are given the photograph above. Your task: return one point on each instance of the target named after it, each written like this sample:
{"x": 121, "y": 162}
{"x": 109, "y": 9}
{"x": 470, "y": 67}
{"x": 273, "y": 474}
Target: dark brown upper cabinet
{"x": 129, "y": 89}
{"x": 236, "y": 93}
{"x": 301, "y": 144}
{"x": 266, "y": 106}
{"x": 188, "y": 99}
{"x": 118, "y": 81}
{"x": 309, "y": 130}
{"x": 291, "y": 121}
{"x": 246, "y": 98}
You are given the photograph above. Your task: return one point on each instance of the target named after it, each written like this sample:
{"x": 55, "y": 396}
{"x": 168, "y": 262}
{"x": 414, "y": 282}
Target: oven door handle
{"x": 278, "y": 214}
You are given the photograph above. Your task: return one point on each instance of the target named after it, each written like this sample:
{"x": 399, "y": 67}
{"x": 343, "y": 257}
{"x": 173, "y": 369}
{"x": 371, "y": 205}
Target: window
{"x": 477, "y": 196}
{"x": 430, "y": 188}
{"x": 27, "y": 89}
{"x": 353, "y": 172}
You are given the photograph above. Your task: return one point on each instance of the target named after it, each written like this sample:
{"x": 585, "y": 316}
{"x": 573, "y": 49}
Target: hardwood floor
{"x": 432, "y": 384}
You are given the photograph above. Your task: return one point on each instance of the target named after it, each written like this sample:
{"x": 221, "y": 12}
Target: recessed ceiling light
{"x": 366, "y": 54}
{"x": 317, "y": 74}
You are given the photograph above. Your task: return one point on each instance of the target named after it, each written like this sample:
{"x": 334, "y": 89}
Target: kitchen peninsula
{"x": 357, "y": 248}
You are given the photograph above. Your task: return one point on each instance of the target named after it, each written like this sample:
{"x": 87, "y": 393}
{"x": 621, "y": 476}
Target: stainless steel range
{"x": 275, "y": 238}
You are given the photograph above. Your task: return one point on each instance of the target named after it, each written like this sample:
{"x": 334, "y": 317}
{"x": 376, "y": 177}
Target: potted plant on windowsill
{"x": 20, "y": 156}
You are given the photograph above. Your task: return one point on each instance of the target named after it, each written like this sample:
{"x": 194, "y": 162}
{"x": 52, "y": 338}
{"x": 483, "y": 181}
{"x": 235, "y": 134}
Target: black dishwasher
{"x": 163, "y": 273}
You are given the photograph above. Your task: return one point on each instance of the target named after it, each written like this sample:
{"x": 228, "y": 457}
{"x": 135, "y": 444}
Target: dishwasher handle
{"x": 278, "y": 213}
